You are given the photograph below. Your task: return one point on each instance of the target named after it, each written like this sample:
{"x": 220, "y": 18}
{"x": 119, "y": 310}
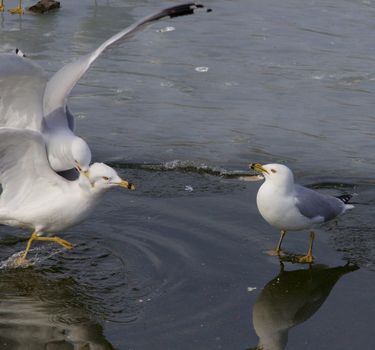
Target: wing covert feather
{"x": 313, "y": 204}
{"x": 24, "y": 168}
{"x": 22, "y": 86}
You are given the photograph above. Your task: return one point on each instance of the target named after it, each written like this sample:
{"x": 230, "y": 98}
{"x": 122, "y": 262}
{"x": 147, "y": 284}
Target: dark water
{"x": 180, "y": 263}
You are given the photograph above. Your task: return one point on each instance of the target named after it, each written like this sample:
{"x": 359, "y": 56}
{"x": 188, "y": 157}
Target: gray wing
{"x": 22, "y": 85}
{"x": 313, "y": 204}
{"x": 60, "y": 85}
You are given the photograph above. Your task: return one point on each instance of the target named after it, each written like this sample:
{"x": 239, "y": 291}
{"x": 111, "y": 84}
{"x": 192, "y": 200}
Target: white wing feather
{"x": 24, "y": 169}
{"x": 22, "y": 86}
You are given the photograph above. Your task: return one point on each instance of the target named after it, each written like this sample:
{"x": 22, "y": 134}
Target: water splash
{"x": 36, "y": 257}
{"x": 188, "y": 166}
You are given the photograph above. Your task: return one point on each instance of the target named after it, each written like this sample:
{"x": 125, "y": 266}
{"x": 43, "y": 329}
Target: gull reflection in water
{"x": 292, "y": 298}
{"x": 42, "y": 313}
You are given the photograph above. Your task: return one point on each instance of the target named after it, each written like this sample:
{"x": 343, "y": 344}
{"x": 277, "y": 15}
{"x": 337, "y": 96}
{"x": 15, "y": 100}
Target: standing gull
{"x": 36, "y": 198}
{"x": 28, "y": 100}
{"x": 291, "y": 207}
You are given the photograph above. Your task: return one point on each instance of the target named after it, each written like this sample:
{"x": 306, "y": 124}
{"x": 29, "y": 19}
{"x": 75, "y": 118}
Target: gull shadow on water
{"x": 37, "y": 312}
{"x": 291, "y": 298}
{"x": 61, "y": 300}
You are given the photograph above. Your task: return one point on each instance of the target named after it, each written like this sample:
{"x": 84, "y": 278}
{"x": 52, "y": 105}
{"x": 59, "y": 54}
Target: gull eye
{"x": 105, "y": 178}
{"x": 273, "y": 170}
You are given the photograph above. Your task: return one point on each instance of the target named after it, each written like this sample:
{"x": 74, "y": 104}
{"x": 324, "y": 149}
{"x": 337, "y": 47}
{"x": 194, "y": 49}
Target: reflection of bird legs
{"x": 277, "y": 251}
{"x": 35, "y": 237}
{"x": 17, "y": 10}
{"x": 309, "y": 257}
{"x": 2, "y": 6}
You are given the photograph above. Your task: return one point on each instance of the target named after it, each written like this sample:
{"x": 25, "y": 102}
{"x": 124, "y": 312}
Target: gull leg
{"x": 278, "y": 248}
{"x": 35, "y": 237}
{"x": 2, "y": 8}
{"x": 277, "y": 251}
{"x": 57, "y": 240}
{"x": 30, "y": 241}
{"x": 17, "y": 10}
{"x": 309, "y": 257}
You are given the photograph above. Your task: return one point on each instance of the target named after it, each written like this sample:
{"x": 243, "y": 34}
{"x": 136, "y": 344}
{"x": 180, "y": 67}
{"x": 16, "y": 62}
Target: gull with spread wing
{"x": 29, "y": 100}
{"x": 35, "y": 197}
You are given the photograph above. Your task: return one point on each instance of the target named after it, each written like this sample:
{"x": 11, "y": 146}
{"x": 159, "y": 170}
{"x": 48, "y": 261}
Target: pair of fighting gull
{"x": 37, "y": 140}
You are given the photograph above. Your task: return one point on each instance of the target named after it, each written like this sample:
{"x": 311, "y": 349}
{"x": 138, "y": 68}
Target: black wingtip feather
{"x": 345, "y": 198}
{"x": 19, "y": 52}
{"x": 183, "y": 10}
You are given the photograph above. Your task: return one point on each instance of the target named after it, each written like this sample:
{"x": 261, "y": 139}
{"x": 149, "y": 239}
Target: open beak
{"x": 258, "y": 167}
{"x": 127, "y": 185}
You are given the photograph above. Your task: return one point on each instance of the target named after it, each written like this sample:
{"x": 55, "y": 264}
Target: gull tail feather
{"x": 345, "y": 198}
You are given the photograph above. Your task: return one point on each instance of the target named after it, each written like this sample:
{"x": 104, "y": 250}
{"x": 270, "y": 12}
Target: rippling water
{"x": 181, "y": 110}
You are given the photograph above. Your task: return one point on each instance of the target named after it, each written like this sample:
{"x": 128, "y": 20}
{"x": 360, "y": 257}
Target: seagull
{"x": 29, "y": 100}
{"x": 35, "y": 197}
{"x": 291, "y": 207}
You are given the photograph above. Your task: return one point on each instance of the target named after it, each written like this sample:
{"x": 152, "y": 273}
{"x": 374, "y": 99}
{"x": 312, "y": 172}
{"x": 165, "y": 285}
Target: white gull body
{"x": 34, "y": 196}
{"x": 291, "y": 207}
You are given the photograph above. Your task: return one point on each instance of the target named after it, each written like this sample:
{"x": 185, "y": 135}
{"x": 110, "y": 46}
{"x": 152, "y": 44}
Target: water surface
{"x": 180, "y": 263}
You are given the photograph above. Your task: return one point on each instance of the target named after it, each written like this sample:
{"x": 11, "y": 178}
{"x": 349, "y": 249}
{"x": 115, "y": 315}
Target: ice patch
{"x": 201, "y": 69}
{"x": 166, "y": 84}
{"x": 231, "y": 83}
{"x": 318, "y": 76}
{"x": 166, "y": 29}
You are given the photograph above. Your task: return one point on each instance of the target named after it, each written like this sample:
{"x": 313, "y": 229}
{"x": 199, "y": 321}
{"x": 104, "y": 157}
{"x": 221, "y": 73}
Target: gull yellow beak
{"x": 258, "y": 167}
{"x": 127, "y": 185}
